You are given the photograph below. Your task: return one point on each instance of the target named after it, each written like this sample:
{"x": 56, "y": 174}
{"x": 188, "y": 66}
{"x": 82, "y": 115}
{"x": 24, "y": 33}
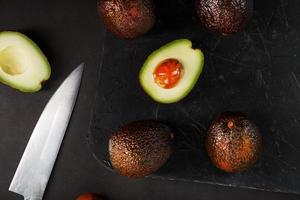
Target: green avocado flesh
{"x": 192, "y": 61}
{"x": 23, "y": 65}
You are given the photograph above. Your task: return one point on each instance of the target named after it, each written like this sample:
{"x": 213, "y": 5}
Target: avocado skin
{"x": 127, "y": 18}
{"x": 224, "y": 16}
{"x": 140, "y": 148}
{"x": 233, "y": 149}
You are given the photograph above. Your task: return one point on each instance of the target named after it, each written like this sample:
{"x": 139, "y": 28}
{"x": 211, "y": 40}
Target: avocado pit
{"x": 168, "y": 73}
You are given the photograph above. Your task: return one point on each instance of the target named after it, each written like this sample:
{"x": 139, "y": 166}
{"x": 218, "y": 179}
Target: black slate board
{"x": 256, "y": 71}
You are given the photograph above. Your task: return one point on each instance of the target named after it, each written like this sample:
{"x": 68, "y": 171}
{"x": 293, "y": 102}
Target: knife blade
{"x": 32, "y": 175}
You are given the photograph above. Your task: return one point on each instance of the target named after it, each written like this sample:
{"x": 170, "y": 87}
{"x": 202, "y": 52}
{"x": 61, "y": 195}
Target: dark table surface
{"x": 70, "y": 32}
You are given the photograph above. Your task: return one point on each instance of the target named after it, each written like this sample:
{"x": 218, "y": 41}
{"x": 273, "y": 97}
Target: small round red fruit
{"x": 89, "y": 196}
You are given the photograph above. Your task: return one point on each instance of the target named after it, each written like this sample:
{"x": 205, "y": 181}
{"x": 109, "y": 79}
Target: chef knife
{"x": 35, "y": 167}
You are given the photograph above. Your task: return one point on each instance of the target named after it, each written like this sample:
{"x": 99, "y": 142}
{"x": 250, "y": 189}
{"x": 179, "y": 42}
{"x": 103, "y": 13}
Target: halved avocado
{"x": 23, "y": 65}
{"x": 189, "y": 64}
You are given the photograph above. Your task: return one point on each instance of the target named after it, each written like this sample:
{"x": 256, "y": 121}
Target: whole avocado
{"x": 127, "y": 18}
{"x": 233, "y": 142}
{"x": 224, "y": 16}
{"x": 139, "y": 148}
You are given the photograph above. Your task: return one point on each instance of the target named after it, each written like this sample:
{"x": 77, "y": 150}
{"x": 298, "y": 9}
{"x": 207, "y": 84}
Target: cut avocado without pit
{"x": 191, "y": 60}
{"x": 23, "y": 65}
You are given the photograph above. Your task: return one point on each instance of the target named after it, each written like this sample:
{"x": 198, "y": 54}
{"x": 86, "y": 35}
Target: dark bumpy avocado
{"x": 139, "y": 148}
{"x": 224, "y": 16}
{"x": 233, "y": 142}
{"x": 127, "y": 18}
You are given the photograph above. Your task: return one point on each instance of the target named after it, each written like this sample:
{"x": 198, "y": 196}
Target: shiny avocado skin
{"x": 224, "y": 17}
{"x": 140, "y": 148}
{"x": 127, "y": 18}
{"x": 236, "y": 148}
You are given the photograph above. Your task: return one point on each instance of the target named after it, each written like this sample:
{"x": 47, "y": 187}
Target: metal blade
{"x": 35, "y": 167}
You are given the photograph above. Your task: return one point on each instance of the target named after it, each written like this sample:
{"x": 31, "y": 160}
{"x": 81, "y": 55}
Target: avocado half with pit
{"x": 171, "y": 72}
{"x": 23, "y": 65}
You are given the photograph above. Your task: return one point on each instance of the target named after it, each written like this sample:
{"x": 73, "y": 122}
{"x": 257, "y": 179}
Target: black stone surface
{"x": 70, "y": 32}
{"x": 255, "y": 71}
